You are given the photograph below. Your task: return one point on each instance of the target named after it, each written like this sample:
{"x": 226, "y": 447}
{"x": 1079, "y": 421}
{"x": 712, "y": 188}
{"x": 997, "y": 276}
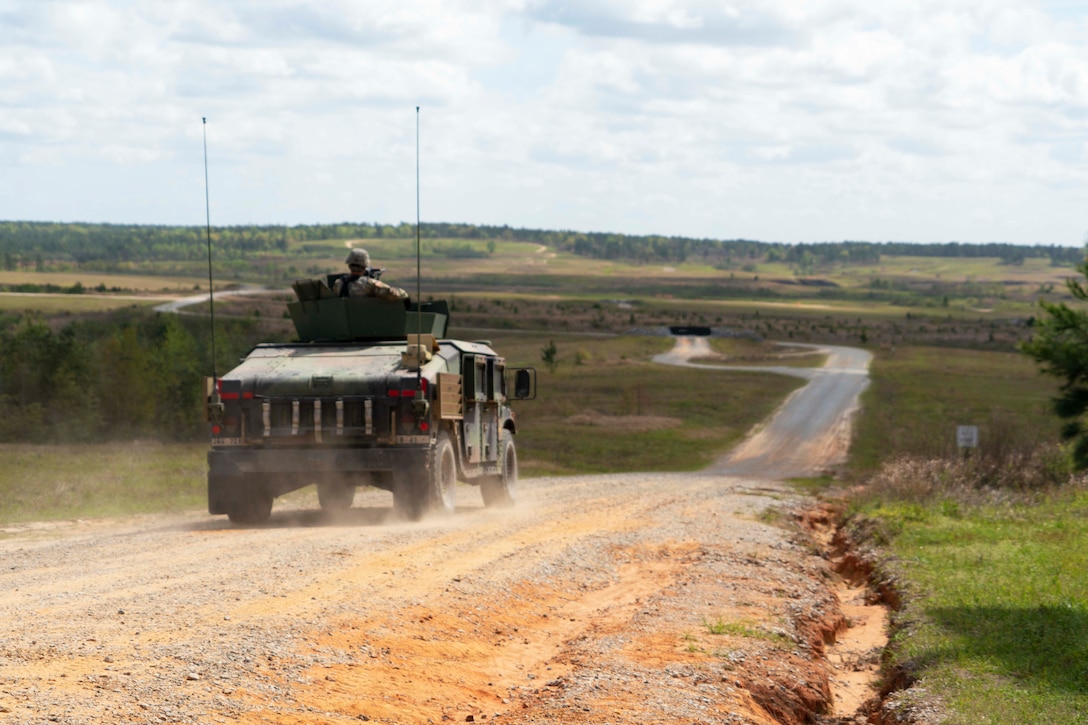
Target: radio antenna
{"x": 419, "y": 298}
{"x": 208, "y": 230}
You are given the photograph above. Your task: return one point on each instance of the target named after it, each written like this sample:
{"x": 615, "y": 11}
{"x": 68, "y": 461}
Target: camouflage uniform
{"x": 363, "y": 286}
{"x": 360, "y": 285}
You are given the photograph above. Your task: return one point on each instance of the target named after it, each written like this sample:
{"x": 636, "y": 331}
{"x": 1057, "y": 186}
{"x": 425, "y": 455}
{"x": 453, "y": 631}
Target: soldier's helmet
{"x": 358, "y": 256}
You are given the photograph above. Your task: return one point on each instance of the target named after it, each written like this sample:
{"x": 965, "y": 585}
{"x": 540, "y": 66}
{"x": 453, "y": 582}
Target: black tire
{"x": 430, "y": 488}
{"x": 251, "y": 504}
{"x": 441, "y": 482}
{"x": 501, "y": 491}
{"x": 335, "y": 496}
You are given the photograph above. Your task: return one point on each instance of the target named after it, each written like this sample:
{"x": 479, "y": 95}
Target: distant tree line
{"x": 136, "y": 374}
{"x": 26, "y": 243}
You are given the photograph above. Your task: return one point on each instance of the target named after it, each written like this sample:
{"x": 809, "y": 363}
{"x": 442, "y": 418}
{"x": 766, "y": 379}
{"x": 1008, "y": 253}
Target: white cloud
{"x": 769, "y": 119}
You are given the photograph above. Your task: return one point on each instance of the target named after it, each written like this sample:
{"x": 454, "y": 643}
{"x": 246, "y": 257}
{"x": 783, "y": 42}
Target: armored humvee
{"x": 372, "y": 394}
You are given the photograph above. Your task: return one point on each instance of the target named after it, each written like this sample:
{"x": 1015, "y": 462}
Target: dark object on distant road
{"x": 690, "y": 331}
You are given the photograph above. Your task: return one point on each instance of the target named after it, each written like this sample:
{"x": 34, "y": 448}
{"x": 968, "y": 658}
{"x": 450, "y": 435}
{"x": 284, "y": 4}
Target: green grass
{"x": 919, "y": 395}
{"x": 61, "y": 304}
{"x": 74, "y": 481}
{"x": 90, "y": 279}
{"x": 997, "y": 627}
{"x": 995, "y": 614}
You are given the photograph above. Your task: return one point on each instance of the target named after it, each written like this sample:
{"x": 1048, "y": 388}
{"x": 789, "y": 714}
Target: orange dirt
{"x": 623, "y": 599}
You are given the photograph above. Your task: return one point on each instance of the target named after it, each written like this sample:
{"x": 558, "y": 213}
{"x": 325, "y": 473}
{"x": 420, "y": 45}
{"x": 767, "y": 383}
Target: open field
{"x": 121, "y": 282}
{"x": 919, "y": 395}
{"x": 61, "y": 304}
{"x": 992, "y": 595}
{"x": 40, "y": 483}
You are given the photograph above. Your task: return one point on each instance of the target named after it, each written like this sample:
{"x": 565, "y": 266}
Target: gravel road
{"x": 634, "y": 598}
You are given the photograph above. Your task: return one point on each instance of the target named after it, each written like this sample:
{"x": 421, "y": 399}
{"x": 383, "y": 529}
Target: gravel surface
{"x": 626, "y": 598}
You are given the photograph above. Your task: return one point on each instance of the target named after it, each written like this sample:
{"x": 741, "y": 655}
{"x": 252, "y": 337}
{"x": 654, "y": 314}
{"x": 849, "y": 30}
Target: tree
{"x": 547, "y": 354}
{"x": 1060, "y": 346}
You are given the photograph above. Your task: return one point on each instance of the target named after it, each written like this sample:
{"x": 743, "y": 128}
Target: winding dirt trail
{"x": 634, "y": 598}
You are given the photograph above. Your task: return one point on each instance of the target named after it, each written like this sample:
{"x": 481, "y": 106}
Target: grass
{"x": 89, "y": 280}
{"x": 990, "y": 551}
{"x": 996, "y": 624}
{"x": 76, "y": 481}
{"x": 919, "y": 395}
{"x": 62, "y": 304}
{"x": 739, "y": 351}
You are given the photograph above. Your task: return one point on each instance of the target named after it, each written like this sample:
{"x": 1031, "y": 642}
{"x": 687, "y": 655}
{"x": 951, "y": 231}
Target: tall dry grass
{"x": 1000, "y": 473}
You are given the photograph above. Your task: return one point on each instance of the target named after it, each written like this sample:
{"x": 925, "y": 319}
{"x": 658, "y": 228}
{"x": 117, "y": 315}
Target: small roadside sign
{"x": 967, "y": 436}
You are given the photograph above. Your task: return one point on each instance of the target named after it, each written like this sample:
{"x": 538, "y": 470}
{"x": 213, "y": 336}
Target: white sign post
{"x": 967, "y": 436}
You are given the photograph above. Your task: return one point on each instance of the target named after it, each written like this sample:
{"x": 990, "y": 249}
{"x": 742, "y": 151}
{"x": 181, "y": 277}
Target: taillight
{"x": 233, "y": 390}
{"x": 408, "y": 392}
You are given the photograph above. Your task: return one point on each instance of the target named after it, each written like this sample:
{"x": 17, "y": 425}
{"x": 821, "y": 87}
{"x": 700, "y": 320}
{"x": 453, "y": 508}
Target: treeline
{"x": 138, "y": 374}
{"x": 26, "y": 243}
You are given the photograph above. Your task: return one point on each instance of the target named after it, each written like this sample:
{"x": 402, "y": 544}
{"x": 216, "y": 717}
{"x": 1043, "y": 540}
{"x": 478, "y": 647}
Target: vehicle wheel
{"x": 441, "y": 485}
{"x": 335, "y": 496}
{"x": 502, "y": 490}
{"x": 252, "y": 504}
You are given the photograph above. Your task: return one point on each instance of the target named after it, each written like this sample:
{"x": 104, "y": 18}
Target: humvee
{"x": 371, "y": 394}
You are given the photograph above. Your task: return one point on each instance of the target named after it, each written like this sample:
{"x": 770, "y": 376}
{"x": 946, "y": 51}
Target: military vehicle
{"x": 371, "y": 394}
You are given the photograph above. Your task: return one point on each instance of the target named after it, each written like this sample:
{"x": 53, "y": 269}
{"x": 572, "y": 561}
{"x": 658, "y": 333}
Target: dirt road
{"x": 635, "y": 598}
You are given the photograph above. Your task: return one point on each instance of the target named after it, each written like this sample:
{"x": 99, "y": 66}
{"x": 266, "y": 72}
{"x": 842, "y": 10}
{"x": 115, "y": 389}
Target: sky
{"x": 774, "y": 120}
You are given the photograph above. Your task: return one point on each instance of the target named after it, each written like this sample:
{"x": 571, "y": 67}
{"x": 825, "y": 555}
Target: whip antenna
{"x": 208, "y": 228}
{"x": 419, "y": 298}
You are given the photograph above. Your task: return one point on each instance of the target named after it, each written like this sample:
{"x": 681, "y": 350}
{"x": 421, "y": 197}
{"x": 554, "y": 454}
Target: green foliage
{"x": 547, "y": 355}
{"x": 136, "y": 374}
{"x": 464, "y": 250}
{"x": 1060, "y": 346}
{"x": 31, "y": 243}
{"x": 721, "y": 626}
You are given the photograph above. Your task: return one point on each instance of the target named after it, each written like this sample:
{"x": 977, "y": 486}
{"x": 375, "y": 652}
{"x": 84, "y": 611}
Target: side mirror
{"x": 525, "y": 383}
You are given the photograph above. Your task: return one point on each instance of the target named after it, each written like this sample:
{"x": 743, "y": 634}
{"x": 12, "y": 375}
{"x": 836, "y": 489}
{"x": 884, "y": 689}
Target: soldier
{"x": 359, "y": 282}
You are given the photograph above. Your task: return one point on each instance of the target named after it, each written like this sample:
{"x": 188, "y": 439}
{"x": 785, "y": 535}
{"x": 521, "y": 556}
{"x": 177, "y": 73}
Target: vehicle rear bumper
{"x": 269, "y": 461}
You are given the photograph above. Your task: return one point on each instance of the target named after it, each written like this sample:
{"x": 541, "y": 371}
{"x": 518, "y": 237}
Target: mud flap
{"x": 408, "y": 499}
{"x": 222, "y": 491}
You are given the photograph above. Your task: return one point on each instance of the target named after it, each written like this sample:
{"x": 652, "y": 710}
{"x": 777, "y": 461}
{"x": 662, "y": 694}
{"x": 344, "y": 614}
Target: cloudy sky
{"x": 777, "y": 120}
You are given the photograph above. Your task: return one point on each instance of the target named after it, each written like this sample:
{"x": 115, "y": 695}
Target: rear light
{"x": 216, "y": 430}
{"x": 233, "y": 392}
{"x": 424, "y": 425}
{"x": 408, "y": 392}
